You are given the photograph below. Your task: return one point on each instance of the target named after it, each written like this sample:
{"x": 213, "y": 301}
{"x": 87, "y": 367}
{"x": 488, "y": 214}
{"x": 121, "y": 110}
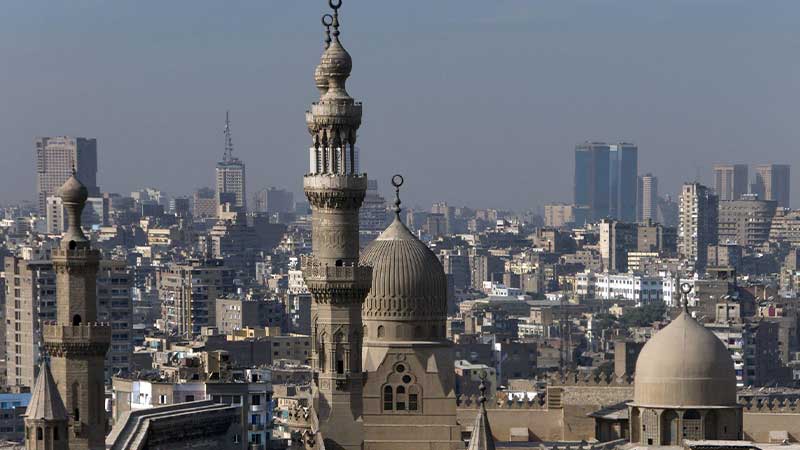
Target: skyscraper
{"x": 606, "y": 179}
{"x": 337, "y": 282}
{"x": 697, "y": 227}
{"x": 623, "y": 165}
{"x": 648, "y": 198}
{"x": 56, "y": 157}
{"x": 773, "y": 183}
{"x": 231, "y": 179}
{"x": 592, "y": 178}
{"x": 730, "y": 181}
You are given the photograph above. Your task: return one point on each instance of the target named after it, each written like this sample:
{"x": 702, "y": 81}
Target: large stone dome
{"x": 684, "y": 364}
{"x": 408, "y": 297}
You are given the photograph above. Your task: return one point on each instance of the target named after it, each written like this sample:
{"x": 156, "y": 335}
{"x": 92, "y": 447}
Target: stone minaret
{"x": 338, "y": 284}
{"x": 76, "y": 343}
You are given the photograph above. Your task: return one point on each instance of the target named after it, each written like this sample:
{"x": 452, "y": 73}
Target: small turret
{"x": 74, "y": 195}
{"x": 46, "y": 417}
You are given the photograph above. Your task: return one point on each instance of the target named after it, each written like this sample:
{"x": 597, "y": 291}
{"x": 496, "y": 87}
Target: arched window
{"x": 76, "y": 320}
{"x": 400, "y": 398}
{"x": 381, "y": 331}
{"x": 417, "y": 332}
{"x": 413, "y": 398}
{"x": 39, "y": 433}
{"x": 387, "y": 398}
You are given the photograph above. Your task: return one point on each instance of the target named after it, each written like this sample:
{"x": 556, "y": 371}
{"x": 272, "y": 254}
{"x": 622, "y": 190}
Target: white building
{"x": 633, "y": 287}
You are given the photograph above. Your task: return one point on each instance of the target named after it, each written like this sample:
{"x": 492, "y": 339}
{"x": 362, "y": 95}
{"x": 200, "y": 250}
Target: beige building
{"x": 730, "y": 181}
{"x": 773, "y": 182}
{"x": 57, "y": 157}
{"x": 30, "y": 300}
{"x": 745, "y": 222}
{"x": 697, "y": 224}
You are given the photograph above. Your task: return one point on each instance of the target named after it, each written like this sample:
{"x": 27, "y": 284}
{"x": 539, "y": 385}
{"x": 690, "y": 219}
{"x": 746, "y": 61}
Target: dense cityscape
{"x": 631, "y": 317}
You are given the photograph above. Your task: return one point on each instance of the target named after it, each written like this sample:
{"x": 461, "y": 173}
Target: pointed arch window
{"x": 400, "y": 398}
{"x": 387, "y": 398}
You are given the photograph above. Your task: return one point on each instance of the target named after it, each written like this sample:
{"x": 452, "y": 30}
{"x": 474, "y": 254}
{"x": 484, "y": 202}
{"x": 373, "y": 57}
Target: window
{"x": 340, "y": 366}
{"x": 55, "y": 433}
{"x": 413, "y": 398}
{"x": 190, "y": 398}
{"x": 400, "y": 400}
{"x": 387, "y": 398}
{"x": 256, "y": 400}
{"x": 39, "y": 433}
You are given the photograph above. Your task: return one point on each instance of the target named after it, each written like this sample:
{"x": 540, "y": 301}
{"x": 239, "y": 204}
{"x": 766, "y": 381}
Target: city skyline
{"x": 155, "y": 109}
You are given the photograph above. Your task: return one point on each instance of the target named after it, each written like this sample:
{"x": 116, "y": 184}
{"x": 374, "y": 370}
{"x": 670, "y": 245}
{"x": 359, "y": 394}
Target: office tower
{"x": 54, "y": 215}
{"x": 188, "y": 291}
{"x": 773, "y": 183}
{"x": 57, "y": 157}
{"x": 231, "y": 180}
{"x": 616, "y": 240}
{"x": 623, "y": 176}
{"x": 30, "y": 300}
{"x": 77, "y": 342}
{"x": 730, "y": 181}
{"x": 606, "y": 179}
{"x": 697, "y": 228}
{"x": 338, "y": 284}
{"x": 592, "y": 181}
{"x": 115, "y": 307}
{"x": 648, "y": 198}
{"x": 745, "y": 222}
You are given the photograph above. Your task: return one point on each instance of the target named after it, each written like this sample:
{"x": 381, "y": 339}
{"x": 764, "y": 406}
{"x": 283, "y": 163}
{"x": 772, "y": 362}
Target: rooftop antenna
{"x": 228, "y": 155}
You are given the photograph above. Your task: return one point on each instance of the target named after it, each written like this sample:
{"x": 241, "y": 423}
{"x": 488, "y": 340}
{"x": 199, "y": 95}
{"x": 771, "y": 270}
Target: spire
{"x": 686, "y": 288}
{"x": 73, "y": 195}
{"x": 45, "y": 402}
{"x": 481, "y": 438}
{"x": 397, "y": 181}
{"x": 228, "y": 155}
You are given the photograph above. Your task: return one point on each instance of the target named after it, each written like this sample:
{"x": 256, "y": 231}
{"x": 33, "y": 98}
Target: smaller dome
{"x": 684, "y": 364}
{"x": 408, "y": 282}
{"x": 335, "y": 62}
{"x": 73, "y": 191}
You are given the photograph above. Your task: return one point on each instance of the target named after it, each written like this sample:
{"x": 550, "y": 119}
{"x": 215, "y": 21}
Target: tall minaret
{"x": 337, "y": 283}
{"x": 76, "y": 343}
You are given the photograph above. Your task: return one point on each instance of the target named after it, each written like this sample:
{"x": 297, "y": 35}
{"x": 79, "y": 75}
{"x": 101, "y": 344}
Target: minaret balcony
{"x": 334, "y": 182}
{"x": 86, "y": 333}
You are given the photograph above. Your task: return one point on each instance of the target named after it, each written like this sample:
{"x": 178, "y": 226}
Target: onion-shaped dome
{"x": 73, "y": 191}
{"x": 408, "y": 297}
{"x": 684, "y": 364}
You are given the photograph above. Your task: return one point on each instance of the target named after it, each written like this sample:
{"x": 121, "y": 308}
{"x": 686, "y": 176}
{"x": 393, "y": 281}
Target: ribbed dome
{"x": 409, "y": 286}
{"x": 73, "y": 191}
{"x": 684, "y": 364}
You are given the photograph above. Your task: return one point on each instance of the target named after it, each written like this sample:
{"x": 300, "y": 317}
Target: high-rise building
{"x": 188, "y": 293}
{"x": 624, "y": 166}
{"x": 606, "y": 179}
{"x": 592, "y": 178}
{"x": 77, "y": 341}
{"x": 274, "y": 200}
{"x": 648, "y": 198}
{"x": 30, "y": 301}
{"x": 115, "y": 307}
{"x": 745, "y": 222}
{"x": 697, "y": 227}
{"x": 57, "y": 157}
{"x": 231, "y": 179}
{"x": 204, "y": 203}
{"x": 616, "y": 240}
{"x": 372, "y": 216}
{"x": 730, "y": 181}
{"x": 337, "y": 282}
{"x": 773, "y": 183}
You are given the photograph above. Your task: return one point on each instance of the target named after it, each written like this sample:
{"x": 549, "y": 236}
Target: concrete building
{"x": 274, "y": 200}
{"x": 616, "y": 240}
{"x": 115, "y": 307}
{"x": 236, "y": 314}
{"x": 745, "y": 222}
{"x": 637, "y": 288}
{"x": 697, "y": 228}
{"x": 730, "y": 181}
{"x": 204, "y": 203}
{"x": 30, "y": 301}
{"x": 188, "y": 293}
{"x": 57, "y": 157}
{"x": 231, "y": 175}
{"x": 372, "y": 215}
{"x": 12, "y": 415}
{"x": 786, "y": 227}
{"x": 557, "y": 215}
{"x": 648, "y": 198}
{"x": 773, "y": 182}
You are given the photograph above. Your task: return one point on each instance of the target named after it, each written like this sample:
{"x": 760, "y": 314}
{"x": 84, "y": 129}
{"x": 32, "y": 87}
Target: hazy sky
{"x": 475, "y": 102}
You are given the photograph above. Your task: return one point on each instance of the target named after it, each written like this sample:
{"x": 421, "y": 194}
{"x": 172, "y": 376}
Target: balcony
{"x": 258, "y": 408}
{"x": 255, "y": 427}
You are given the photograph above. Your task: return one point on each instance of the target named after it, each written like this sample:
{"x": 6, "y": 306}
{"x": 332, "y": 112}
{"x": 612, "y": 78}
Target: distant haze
{"x": 474, "y": 102}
